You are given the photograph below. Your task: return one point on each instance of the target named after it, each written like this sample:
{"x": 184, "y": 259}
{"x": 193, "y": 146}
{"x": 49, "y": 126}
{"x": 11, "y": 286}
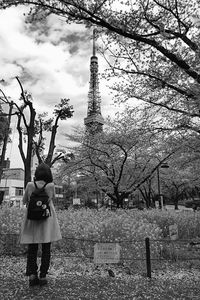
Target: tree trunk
{"x": 27, "y": 173}
{"x": 176, "y": 204}
{"x": 52, "y": 145}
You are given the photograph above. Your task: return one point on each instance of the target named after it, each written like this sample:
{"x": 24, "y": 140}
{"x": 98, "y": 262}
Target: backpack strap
{"x": 45, "y": 185}
{"x": 43, "y": 190}
{"x": 35, "y": 185}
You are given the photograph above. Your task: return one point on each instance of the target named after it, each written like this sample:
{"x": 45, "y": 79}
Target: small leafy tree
{"x": 62, "y": 111}
{"x": 182, "y": 179}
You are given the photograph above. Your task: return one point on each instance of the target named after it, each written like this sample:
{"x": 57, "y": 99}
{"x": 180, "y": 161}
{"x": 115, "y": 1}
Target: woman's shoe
{"x": 43, "y": 281}
{"x": 33, "y": 280}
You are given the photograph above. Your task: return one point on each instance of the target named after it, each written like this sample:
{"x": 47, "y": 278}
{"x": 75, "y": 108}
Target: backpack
{"x": 38, "y": 207}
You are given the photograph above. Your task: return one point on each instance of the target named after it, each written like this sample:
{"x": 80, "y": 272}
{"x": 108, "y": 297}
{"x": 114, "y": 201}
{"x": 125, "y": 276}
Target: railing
{"x": 141, "y": 255}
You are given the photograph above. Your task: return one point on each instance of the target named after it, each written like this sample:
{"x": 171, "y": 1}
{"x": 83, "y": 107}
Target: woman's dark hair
{"x": 43, "y": 172}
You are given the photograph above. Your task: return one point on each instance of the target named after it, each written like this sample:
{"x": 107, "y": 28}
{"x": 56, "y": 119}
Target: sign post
{"x": 173, "y": 233}
{"x": 148, "y": 257}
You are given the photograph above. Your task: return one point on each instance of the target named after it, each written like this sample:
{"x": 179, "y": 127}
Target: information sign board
{"x": 173, "y": 232}
{"x": 106, "y": 253}
{"x": 76, "y": 201}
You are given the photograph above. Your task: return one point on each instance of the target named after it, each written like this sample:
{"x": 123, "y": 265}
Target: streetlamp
{"x": 160, "y": 197}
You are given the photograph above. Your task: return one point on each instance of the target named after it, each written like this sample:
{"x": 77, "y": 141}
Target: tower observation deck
{"x": 94, "y": 120}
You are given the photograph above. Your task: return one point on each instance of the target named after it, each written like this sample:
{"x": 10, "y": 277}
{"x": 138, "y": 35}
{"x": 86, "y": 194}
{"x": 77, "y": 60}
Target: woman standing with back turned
{"x": 43, "y": 232}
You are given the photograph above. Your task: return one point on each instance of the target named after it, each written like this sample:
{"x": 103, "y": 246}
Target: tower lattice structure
{"x": 94, "y": 120}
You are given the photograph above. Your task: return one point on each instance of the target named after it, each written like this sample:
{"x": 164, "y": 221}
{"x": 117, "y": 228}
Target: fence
{"x": 141, "y": 255}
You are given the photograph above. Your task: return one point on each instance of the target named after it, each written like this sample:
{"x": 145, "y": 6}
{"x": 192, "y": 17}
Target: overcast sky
{"x": 52, "y": 60}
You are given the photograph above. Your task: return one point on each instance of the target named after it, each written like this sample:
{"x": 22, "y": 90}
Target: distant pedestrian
{"x": 43, "y": 232}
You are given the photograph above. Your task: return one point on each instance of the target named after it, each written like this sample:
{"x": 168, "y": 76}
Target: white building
{"x": 12, "y": 186}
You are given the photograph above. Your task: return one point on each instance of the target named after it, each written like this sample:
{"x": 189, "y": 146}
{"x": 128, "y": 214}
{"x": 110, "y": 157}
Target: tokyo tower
{"x": 94, "y": 120}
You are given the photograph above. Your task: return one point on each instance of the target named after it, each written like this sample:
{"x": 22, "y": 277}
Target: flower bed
{"x": 82, "y": 228}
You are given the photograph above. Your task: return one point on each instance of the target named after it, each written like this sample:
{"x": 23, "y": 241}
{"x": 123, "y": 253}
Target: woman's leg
{"x": 45, "y": 261}
{"x": 31, "y": 267}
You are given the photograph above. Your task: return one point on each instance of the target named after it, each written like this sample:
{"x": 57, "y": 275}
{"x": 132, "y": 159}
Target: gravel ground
{"x": 71, "y": 281}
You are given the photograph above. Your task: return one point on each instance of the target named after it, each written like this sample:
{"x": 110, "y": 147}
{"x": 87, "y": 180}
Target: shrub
{"x": 11, "y": 219}
{"x": 188, "y": 222}
{"x": 129, "y": 228}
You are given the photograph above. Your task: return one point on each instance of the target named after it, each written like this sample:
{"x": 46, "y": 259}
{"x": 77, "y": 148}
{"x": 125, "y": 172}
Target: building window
{"x": 17, "y": 203}
{"x": 5, "y": 190}
{"x": 19, "y": 191}
{"x": 59, "y": 190}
